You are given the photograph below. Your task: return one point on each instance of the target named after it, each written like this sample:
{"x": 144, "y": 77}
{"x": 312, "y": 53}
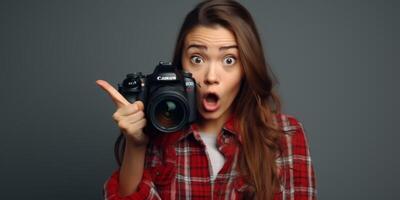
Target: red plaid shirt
{"x": 177, "y": 167}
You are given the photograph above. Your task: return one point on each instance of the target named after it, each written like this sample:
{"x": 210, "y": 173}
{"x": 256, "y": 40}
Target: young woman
{"x": 241, "y": 147}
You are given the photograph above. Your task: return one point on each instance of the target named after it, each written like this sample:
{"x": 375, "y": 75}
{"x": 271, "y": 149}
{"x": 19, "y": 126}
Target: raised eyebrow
{"x": 196, "y": 46}
{"x": 228, "y": 47}
{"x": 202, "y": 47}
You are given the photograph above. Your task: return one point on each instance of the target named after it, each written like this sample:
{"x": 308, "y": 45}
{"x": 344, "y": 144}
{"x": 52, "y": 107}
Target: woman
{"x": 241, "y": 147}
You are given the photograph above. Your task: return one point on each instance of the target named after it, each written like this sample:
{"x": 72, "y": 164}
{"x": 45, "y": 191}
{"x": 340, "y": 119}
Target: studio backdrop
{"x": 336, "y": 61}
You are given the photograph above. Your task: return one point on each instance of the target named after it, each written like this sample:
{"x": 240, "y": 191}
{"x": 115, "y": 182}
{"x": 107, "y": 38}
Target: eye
{"x": 229, "y": 60}
{"x": 196, "y": 59}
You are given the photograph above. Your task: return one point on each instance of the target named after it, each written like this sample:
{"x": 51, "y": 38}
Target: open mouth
{"x": 210, "y": 102}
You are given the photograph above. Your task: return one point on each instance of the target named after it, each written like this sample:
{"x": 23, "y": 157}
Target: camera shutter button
{"x": 187, "y": 74}
{"x": 134, "y": 75}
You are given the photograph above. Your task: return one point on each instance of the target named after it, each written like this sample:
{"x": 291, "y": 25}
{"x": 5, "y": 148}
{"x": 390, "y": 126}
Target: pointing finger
{"x": 117, "y": 98}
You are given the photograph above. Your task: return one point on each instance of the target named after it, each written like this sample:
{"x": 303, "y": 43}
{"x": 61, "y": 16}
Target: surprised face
{"x": 211, "y": 54}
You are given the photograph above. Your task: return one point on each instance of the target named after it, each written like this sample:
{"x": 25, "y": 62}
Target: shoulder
{"x": 288, "y": 123}
{"x": 294, "y": 138}
{"x": 294, "y": 164}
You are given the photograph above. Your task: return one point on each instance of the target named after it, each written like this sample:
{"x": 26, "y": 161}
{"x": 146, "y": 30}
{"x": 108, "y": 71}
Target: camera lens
{"x": 169, "y": 113}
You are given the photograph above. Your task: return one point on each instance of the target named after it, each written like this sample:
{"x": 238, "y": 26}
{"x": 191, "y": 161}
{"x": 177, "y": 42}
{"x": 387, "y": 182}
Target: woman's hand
{"x": 129, "y": 117}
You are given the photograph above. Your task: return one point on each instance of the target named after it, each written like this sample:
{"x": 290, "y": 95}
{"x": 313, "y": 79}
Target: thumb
{"x": 139, "y": 104}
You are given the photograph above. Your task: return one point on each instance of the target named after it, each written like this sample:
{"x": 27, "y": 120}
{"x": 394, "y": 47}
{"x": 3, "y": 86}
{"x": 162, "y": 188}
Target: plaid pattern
{"x": 177, "y": 167}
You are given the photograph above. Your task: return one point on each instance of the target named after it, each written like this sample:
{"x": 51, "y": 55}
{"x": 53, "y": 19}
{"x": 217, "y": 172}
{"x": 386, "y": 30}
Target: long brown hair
{"x": 257, "y": 98}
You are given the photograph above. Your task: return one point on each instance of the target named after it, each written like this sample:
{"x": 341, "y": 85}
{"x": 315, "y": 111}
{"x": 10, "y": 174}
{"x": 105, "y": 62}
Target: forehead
{"x": 215, "y": 36}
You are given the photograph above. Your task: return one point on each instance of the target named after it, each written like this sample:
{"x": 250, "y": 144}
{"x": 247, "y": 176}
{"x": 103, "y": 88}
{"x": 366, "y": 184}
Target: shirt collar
{"x": 228, "y": 127}
{"x": 285, "y": 122}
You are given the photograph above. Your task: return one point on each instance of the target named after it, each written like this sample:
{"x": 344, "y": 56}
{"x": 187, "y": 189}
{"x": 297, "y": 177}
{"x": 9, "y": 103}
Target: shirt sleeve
{"x": 146, "y": 188}
{"x": 303, "y": 181}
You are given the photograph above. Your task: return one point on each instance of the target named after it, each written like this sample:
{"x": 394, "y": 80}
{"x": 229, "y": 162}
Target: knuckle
{"x": 115, "y": 116}
{"x": 141, "y": 114}
{"x": 120, "y": 109}
{"x": 122, "y": 125}
{"x": 136, "y": 108}
{"x": 138, "y": 105}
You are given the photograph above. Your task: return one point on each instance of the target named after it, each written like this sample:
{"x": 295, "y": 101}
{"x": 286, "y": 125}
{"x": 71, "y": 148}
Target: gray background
{"x": 335, "y": 60}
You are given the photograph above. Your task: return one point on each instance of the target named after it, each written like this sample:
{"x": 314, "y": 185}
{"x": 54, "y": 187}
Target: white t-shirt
{"x": 217, "y": 160}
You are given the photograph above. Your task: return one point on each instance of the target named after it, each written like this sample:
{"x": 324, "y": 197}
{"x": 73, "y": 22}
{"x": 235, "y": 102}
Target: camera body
{"x": 168, "y": 94}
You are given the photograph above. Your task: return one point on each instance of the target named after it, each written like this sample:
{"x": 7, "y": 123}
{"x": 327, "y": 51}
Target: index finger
{"x": 117, "y": 98}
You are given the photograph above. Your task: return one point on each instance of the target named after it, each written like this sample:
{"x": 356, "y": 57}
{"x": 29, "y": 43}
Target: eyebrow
{"x": 203, "y": 47}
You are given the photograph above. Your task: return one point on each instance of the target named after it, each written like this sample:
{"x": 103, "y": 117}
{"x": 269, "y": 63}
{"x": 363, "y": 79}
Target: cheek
{"x": 184, "y": 65}
{"x": 236, "y": 90}
{"x": 233, "y": 90}
{"x": 198, "y": 79}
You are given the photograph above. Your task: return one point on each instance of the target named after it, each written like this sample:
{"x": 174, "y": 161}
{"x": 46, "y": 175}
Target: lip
{"x": 209, "y": 107}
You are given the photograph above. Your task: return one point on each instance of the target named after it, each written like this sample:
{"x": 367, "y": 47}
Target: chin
{"x": 210, "y": 116}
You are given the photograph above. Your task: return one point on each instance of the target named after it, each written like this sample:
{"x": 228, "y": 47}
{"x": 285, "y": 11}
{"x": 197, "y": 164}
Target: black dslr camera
{"x": 168, "y": 94}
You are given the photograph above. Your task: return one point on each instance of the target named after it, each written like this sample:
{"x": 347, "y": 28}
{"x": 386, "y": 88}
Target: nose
{"x": 211, "y": 75}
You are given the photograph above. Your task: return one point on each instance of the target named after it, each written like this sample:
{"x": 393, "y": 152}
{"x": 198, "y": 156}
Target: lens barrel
{"x": 168, "y": 111}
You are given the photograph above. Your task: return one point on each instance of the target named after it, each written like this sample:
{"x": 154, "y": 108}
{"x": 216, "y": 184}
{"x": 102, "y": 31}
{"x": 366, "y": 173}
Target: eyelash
{"x": 233, "y": 57}
{"x": 195, "y": 56}
{"x": 228, "y": 56}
